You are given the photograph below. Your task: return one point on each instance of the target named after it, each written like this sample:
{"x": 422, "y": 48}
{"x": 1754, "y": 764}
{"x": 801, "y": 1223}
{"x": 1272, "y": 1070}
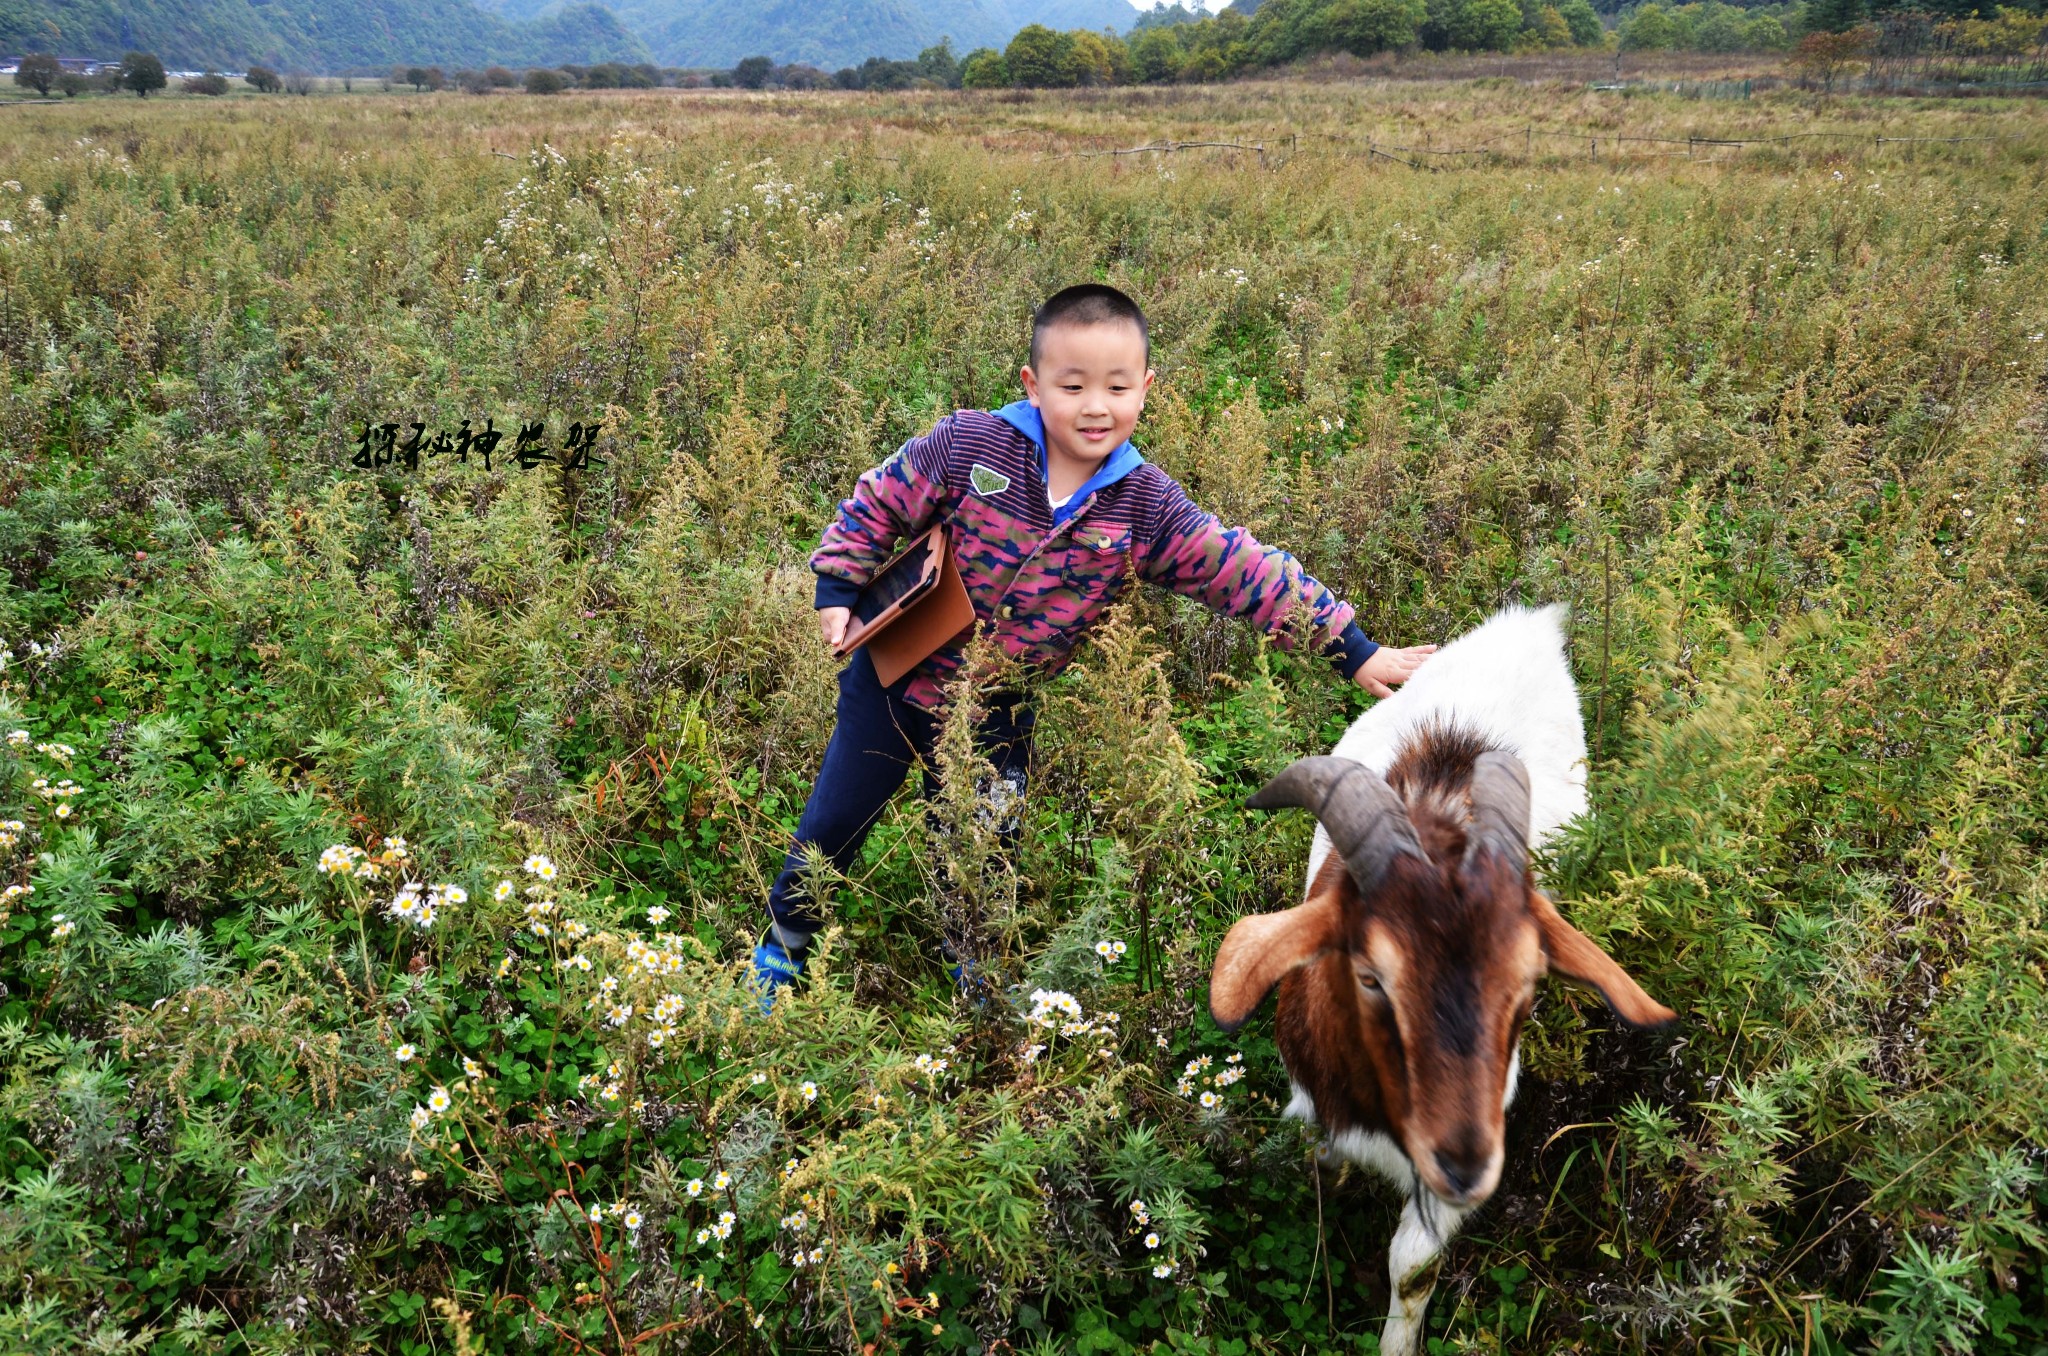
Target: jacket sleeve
{"x": 889, "y": 502}
{"x": 1191, "y": 552}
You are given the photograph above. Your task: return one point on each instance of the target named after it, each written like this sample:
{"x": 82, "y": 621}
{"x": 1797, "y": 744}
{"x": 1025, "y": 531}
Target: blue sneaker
{"x": 774, "y": 968}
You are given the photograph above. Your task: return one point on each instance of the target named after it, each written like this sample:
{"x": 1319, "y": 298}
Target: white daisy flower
{"x": 438, "y": 1101}
{"x": 403, "y": 1053}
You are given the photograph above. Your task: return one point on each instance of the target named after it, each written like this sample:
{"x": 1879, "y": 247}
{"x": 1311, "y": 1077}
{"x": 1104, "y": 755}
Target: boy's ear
{"x": 1030, "y": 380}
{"x": 1149, "y": 375}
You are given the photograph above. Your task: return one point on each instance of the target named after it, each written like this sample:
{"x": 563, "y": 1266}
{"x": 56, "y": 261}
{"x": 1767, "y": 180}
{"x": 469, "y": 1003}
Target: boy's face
{"x": 1089, "y": 384}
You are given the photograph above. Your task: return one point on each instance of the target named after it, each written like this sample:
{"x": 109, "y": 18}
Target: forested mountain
{"x": 314, "y": 35}
{"x": 832, "y": 33}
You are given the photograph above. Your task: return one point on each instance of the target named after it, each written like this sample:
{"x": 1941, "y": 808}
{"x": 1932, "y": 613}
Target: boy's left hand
{"x": 1389, "y": 668}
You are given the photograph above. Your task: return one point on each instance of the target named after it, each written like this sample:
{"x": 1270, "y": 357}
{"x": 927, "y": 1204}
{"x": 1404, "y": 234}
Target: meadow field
{"x": 1758, "y": 386}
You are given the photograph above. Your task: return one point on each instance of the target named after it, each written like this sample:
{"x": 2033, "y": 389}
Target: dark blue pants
{"x": 879, "y": 735}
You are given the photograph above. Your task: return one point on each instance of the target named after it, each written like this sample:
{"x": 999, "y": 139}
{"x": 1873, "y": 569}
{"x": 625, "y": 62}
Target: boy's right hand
{"x": 1389, "y": 667}
{"x": 832, "y": 623}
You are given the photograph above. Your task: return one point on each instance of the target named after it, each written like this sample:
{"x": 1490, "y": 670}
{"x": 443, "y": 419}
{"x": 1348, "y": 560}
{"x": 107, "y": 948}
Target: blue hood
{"x": 1026, "y": 418}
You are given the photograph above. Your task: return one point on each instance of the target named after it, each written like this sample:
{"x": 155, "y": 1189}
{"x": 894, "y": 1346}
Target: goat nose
{"x": 1461, "y": 1175}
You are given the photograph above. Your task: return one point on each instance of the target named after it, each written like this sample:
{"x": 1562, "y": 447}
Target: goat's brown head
{"x": 1421, "y": 954}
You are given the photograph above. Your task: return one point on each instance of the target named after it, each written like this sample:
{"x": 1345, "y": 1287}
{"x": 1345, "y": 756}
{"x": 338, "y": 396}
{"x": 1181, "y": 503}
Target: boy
{"x": 1049, "y": 510}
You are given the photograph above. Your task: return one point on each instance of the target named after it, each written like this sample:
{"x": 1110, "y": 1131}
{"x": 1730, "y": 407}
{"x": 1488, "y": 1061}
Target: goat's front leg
{"x": 1427, "y": 1226}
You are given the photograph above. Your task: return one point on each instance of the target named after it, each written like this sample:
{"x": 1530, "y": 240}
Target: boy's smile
{"x": 1089, "y": 385}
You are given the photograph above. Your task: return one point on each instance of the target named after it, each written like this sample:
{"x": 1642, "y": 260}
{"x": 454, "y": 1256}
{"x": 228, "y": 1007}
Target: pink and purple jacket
{"x": 1040, "y": 577}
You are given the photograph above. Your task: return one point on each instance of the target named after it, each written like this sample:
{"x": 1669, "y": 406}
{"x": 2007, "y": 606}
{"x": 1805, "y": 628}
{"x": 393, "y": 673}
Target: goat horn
{"x": 1500, "y": 808}
{"x": 1366, "y": 821}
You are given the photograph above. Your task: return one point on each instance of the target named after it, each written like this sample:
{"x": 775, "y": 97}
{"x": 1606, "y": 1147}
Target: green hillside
{"x": 832, "y": 33}
{"x": 305, "y": 34}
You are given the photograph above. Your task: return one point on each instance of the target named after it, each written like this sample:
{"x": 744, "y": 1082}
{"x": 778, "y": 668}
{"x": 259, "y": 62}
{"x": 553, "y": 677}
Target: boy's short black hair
{"x": 1088, "y": 304}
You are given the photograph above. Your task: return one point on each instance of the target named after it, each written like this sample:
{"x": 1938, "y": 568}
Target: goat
{"x": 1408, "y": 971}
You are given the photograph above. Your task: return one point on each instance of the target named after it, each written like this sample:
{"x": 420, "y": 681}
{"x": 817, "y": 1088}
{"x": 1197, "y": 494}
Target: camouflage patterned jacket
{"x": 1041, "y": 577}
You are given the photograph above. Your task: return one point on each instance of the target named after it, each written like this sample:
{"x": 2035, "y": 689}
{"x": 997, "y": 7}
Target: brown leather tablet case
{"x": 914, "y": 606}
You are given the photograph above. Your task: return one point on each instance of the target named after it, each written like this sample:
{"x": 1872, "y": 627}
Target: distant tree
{"x": 1834, "y": 16}
{"x": 436, "y": 78}
{"x": 38, "y": 71}
{"x": 799, "y": 76}
{"x": 472, "y": 82}
{"x": 884, "y": 74}
{"x": 1824, "y": 56}
{"x": 263, "y": 80}
{"x": 939, "y": 65}
{"x": 1481, "y": 25}
{"x": 142, "y": 72}
{"x": 1584, "y": 22}
{"x": 752, "y": 72}
{"x": 1648, "y": 28}
{"x": 1763, "y": 33}
{"x": 1091, "y": 61}
{"x": 1163, "y": 15}
{"x": 416, "y": 76}
{"x": 497, "y": 77}
{"x": 645, "y": 75}
{"x": 1205, "y": 65}
{"x": 212, "y": 83}
{"x": 1039, "y": 58}
{"x": 541, "y": 80}
{"x": 73, "y": 84}
{"x": 1549, "y": 30}
{"x": 984, "y": 68}
{"x": 1155, "y": 55}
{"x": 1717, "y": 29}
{"x": 604, "y": 75}
{"x": 300, "y": 82}
{"x": 1363, "y": 27}
{"x": 348, "y": 84}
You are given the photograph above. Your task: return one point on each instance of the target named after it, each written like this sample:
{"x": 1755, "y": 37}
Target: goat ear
{"x": 1575, "y": 956}
{"x": 1263, "y": 947}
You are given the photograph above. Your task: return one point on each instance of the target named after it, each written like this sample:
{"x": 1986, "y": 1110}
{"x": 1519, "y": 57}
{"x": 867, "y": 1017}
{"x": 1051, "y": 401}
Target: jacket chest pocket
{"x": 1096, "y": 559}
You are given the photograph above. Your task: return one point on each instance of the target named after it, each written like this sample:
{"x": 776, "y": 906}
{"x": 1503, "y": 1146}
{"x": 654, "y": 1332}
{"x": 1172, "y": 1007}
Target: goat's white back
{"x": 1506, "y": 680}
